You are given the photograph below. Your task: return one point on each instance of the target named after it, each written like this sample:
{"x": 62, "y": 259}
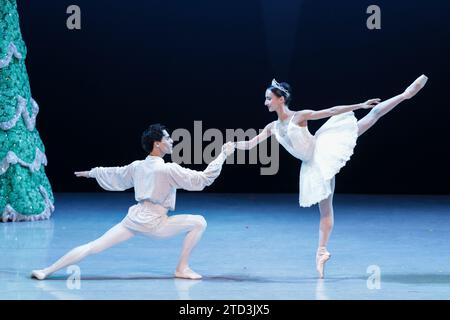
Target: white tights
{"x": 194, "y": 225}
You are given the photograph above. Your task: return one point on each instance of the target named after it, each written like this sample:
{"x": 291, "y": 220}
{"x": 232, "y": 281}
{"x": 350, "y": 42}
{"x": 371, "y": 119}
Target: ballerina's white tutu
{"x": 322, "y": 154}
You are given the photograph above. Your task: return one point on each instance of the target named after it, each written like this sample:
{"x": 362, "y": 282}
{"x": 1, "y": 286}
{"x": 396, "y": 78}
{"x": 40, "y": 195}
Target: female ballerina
{"x": 155, "y": 183}
{"x": 324, "y": 153}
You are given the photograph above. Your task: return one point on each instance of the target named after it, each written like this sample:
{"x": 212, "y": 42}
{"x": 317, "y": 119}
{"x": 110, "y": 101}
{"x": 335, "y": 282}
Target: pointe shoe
{"x": 187, "y": 273}
{"x": 322, "y": 257}
{"x": 38, "y": 274}
{"x": 418, "y": 84}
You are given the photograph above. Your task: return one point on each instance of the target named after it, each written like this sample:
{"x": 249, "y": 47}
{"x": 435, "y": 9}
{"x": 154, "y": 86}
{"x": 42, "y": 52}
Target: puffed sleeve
{"x": 114, "y": 178}
{"x": 192, "y": 180}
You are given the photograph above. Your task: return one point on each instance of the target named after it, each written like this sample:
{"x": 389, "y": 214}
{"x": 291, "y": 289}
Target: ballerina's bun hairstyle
{"x": 282, "y": 89}
{"x": 153, "y": 133}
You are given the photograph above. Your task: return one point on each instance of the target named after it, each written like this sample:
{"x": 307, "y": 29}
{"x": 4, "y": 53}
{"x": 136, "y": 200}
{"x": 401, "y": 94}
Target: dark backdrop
{"x": 138, "y": 62}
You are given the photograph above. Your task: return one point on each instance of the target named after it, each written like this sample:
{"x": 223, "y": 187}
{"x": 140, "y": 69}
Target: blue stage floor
{"x": 255, "y": 247}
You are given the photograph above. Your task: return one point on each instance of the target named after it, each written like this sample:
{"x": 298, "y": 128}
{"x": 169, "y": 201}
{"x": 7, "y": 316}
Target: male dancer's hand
{"x": 228, "y": 148}
{"x": 370, "y": 103}
{"x": 84, "y": 174}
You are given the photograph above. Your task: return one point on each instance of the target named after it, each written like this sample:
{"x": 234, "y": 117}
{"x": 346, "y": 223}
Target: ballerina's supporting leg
{"x": 385, "y": 106}
{"x": 325, "y": 229}
{"x": 326, "y": 218}
{"x": 113, "y": 236}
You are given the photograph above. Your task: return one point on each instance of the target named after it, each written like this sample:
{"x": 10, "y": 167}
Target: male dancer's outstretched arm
{"x": 192, "y": 180}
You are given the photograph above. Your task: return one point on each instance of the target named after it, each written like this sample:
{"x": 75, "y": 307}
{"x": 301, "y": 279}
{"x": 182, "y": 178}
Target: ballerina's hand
{"x": 228, "y": 148}
{"x": 84, "y": 174}
{"x": 370, "y": 103}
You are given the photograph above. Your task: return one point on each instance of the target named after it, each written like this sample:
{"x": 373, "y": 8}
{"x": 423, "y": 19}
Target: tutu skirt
{"x": 333, "y": 146}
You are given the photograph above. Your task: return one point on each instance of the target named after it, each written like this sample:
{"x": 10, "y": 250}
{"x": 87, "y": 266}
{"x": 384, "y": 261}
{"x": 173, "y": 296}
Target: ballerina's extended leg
{"x": 385, "y": 106}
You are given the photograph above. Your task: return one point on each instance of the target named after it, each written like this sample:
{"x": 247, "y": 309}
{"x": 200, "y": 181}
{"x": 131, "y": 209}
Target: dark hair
{"x": 153, "y": 133}
{"x": 279, "y": 93}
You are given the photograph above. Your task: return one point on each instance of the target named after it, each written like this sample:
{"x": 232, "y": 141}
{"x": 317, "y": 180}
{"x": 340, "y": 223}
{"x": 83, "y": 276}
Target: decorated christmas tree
{"x": 25, "y": 192}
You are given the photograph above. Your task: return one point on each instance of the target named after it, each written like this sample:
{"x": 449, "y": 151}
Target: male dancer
{"x": 155, "y": 183}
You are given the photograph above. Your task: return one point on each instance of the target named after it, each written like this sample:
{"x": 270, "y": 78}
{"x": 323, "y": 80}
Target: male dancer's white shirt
{"x": 155, "y": 180}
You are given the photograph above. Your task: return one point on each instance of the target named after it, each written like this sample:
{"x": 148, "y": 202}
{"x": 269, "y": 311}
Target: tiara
{"x": 275, "y": 84}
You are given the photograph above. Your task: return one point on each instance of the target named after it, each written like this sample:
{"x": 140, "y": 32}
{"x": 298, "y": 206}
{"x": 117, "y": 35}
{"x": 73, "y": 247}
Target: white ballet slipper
{"x": 38, "y": 274}
{"x": 187, "y": 273}
{"x": 322, "y": 256}
{"x": 415, "y": 87}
